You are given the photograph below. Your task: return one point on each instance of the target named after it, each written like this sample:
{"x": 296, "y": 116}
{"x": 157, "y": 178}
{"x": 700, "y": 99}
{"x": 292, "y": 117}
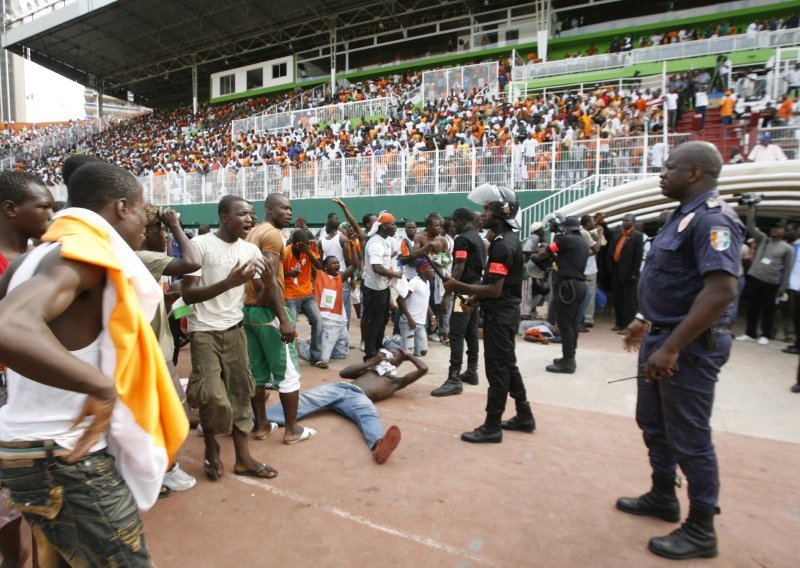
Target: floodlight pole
{"x": 194, "y": 84}
{"x": 333, "y": 58}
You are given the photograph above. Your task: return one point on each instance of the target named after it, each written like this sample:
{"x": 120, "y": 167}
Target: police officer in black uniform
{"x": 469, "y": 256}
{"x": 685, "y": 291}
{"x": 500, "y": 295}
{"x": 570, "y": 252}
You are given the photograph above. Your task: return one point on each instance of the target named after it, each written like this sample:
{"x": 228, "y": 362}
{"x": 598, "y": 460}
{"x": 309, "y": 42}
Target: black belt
{"x": 708, "y": 337}
{"x": 238, "y": 325}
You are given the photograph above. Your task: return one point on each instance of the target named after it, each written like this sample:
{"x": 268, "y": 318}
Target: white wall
{"x": 49, "y": 97}
{"x": 241, "y": 76}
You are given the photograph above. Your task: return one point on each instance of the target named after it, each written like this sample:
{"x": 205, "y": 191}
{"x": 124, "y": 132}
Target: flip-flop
{"x": 386, "y": 445}
{"x": 272, "y": 427}
{"x": 213, "y": 470}
{"x": 263, "y": 471}
{"x": 307, "y": 434}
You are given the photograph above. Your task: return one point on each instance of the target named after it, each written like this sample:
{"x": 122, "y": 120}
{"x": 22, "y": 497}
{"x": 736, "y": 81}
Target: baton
{"x": 674, "y": 369}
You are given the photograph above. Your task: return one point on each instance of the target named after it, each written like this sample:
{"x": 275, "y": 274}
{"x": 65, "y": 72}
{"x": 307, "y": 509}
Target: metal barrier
{"x": 682, "y": 50}
{"x": 563, "y": 165}
{"x": 300, "y": 118}
{"x": 43, "y": 145}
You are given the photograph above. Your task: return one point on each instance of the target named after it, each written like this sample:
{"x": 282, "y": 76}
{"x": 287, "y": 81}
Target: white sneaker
{"x": 763, "y": 340}
{"x": 745, "y": 337}
{"x": 178, "y": 480}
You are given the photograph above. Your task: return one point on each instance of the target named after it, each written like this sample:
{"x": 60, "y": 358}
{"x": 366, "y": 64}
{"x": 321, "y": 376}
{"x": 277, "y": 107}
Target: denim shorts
{"x": 82, "y": 512}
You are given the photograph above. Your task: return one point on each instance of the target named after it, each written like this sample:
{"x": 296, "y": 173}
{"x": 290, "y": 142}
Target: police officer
{"x": 570, "y": 252}
{"x": 688, "y": 283}
{"x": 500, "y": 295}
{"x": 469, "y": 256}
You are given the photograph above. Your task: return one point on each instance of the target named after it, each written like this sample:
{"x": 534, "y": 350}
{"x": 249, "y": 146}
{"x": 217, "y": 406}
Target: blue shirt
{"x": 702, "y": 236}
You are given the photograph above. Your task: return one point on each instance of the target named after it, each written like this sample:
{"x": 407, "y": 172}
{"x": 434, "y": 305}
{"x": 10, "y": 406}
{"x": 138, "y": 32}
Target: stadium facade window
{"x": 255, "y": 79}
{"x": 279, "y": 70}
{"x": 227, "y": 84}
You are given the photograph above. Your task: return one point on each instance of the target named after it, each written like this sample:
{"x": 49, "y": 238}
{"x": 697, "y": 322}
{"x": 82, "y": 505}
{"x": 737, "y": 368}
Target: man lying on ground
{"x": 373, "y": 381}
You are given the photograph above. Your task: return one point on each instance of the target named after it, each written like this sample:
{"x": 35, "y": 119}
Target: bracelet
{"x": 640, "y": 317}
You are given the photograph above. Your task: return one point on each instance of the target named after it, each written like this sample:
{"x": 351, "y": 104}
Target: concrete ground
{"x": 539, "y": 500}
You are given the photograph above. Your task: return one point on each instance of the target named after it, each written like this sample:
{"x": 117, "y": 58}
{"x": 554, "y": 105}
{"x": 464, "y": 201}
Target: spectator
{"x": 766, "y": 151}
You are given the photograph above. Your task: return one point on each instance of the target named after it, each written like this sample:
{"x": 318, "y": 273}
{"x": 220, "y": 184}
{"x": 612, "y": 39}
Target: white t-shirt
{"x": 377, "y": 251}
{"x": 217, "y": 259}
{"x": 769, "y": 153}
{"x": 701, "y": 99}
{"x": 672, "y": 101}
{"x": 419, "y": 294}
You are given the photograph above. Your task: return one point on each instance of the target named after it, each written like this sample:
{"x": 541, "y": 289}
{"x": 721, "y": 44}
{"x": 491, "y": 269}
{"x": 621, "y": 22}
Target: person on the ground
{"x": 378, "y": 271}
{"x": 83, "y": 382}
{"x": 685, "y": 295}
{"x": 625, "y": 251}
{"x": 415, "y": 309}
{"x": 469, "y": 257}
{"x": 26, "y": 212}
{"x": 270, "y": 329}
{"x": 766, "y": 151}
{"x": 300, "y": 258}
{"x": 768, "y": 278}
{"x": 372, "y": 381}
{"x": 221, "y": 384}
{"x": 570, "y": 252}
{"x": 153, "y": 256}
{"x": 500, "y": 296}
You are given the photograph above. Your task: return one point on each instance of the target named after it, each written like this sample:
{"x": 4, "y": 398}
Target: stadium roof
{"x": 147, "y": 46}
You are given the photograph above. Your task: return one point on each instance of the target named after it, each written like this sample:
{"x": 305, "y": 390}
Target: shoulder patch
{"x": 720, "y": 238}
{"x": 712, "y": 202}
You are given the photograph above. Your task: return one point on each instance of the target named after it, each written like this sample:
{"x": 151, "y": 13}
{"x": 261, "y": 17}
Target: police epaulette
{"x": 712, "y": 202}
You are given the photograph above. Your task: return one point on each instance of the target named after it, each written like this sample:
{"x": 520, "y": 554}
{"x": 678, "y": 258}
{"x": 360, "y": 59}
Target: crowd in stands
{"x": 682, "y": 34}
{"x": 175, "y": 140}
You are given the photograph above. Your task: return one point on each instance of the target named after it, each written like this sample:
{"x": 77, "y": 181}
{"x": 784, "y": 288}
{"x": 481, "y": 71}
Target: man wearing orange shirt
{"x": 300, "y": 257}
{"x": 726, "y": 108}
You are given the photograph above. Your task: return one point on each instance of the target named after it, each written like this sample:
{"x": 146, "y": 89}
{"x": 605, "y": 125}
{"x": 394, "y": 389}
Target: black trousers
{"x": 625, "y": 304}
{"x": 500, "y": 360}
{"x": 568, "y": 298}
{"x": 795, "y": 296}
{"x": 376, "y": 312}
{"x": 762, "y": 306}
{"x": 464, "y": 326}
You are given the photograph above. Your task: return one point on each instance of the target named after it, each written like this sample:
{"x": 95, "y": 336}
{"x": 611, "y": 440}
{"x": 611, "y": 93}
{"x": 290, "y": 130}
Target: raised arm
{"x": 362, "y": 237}
{"x": 189, "y": 259}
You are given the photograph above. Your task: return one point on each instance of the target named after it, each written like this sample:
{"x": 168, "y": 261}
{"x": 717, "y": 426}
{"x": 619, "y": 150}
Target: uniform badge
{"x": 685, "y": 222}
{"x": 712, "y": 202}
{"x": 720, "y": 238}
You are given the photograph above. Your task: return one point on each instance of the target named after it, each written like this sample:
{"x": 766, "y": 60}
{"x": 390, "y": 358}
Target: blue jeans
{"x": 420, "y": 336}
{"x": 335, "y": 342}
{"x": 308, "y": 307}
{"x": 342, "y": 398}
{"x": 346, "y": 298}
{"x": 84, "y": 512}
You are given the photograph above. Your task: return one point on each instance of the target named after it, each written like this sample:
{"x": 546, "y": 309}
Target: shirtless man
{"x": 373, "y": 381}
{"x": 52, "y": 338}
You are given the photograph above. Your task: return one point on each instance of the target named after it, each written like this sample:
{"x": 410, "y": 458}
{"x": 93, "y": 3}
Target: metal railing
{"x": 299, "y": 118}
{"x": 547, "y": 166}
{"x": 682, "y": 50}
{"x": 44, "y": 144}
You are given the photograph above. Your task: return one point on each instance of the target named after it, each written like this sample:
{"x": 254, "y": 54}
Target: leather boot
{"x": 565, "y": 365}
{"x": 483, "y": 435}
{"x": 470, "y": 376}
{"x": 696, "y": 537}
{"x": 523, "y": 421}
{"x": 660, "y": 501}
{"x": 451, "y": 386}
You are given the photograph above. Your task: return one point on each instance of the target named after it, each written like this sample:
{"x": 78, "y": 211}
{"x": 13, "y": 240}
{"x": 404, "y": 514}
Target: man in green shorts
{"x": 270, "y": 329}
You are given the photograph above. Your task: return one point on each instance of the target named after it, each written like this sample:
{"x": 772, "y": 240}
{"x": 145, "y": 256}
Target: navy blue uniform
{"x": 500, "y": 322}
{"x": 700, "y": 237}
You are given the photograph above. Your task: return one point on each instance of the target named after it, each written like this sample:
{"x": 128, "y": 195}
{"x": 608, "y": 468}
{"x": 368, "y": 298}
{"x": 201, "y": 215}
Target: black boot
{"x": 470, "y": 376}
{"x": 483, "y": 435}
{"x": 696, "y": 538}
{"x": 451, "y": 386}
{"x": 523, "y": 421}
{"x": 660, "y": 501}
{"x": 565, "y": 365}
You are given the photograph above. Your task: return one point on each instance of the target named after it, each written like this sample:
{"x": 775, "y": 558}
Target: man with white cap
{"x": 378, "y": 271}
